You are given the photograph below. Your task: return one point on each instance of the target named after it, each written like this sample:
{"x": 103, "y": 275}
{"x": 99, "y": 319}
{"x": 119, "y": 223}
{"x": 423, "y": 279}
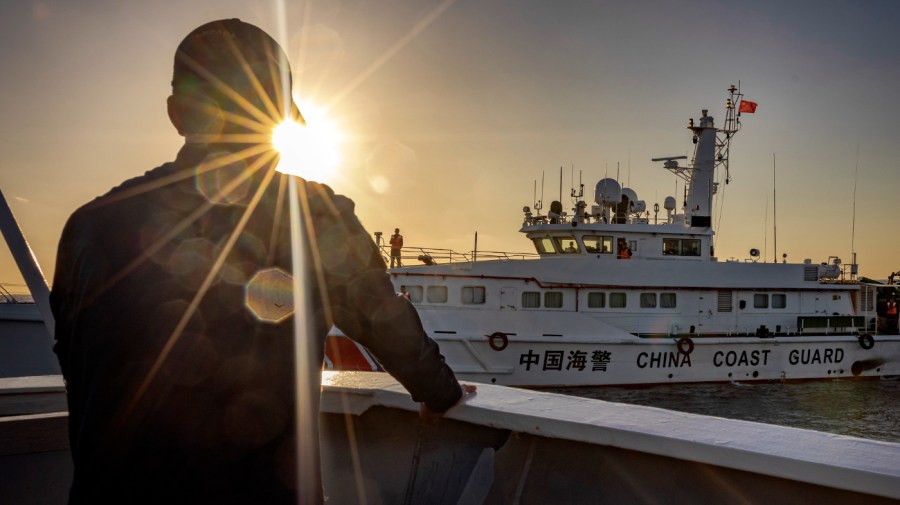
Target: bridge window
{"x": 543, "y": 245}
{"x": 531, "y": 299}
{"x": 473, "y": 294}
{"x": 598, "y": 244}
{"x": 596, "y": 300}
{"x": 648, "y": 300}
{"x": 690, "y": 247}
{"x": 567, "y": 245}
{"x": 760, "y": 301}
{"x": 681, "y": 247}
{"x": 779, "y": 301}
{"x": 553, "y": 299}
{"x": 671, "y": 246}
{"x": 617, "y": 300}
{"x": 668, "y": 300}
{"x": 414, "y": 292}
{"x": 437, "y": 294}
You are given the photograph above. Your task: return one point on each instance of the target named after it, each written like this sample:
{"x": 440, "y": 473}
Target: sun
{"x": 309, "y": 151}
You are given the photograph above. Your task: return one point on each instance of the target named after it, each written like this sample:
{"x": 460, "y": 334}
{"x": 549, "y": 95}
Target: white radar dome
{"x": 608, "y": 192}
{"x": 630, "y": 193}
{"x": 669, "y": 203}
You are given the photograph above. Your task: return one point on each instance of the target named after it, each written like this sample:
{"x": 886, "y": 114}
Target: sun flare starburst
{"x": 310, "y": 151}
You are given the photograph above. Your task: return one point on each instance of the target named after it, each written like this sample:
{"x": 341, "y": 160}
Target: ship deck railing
{"x": 415, "y": 255}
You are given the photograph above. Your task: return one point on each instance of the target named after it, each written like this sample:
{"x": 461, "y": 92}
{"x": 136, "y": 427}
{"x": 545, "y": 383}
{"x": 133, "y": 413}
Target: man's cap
{"x": 228, "y": 50}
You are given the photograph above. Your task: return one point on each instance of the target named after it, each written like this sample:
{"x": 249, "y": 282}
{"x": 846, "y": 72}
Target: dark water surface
{"x": 866, "y": 409}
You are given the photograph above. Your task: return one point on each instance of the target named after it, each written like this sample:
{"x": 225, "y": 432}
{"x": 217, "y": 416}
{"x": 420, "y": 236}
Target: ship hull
{"x": 581, "y": 362}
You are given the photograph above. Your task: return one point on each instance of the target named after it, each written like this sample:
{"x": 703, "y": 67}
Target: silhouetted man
{"x": 172, "y": 299}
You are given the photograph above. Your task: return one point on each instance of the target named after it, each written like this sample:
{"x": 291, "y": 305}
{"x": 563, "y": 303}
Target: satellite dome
{"x": 608, "y": 192}
{"x": 669, "y": 203}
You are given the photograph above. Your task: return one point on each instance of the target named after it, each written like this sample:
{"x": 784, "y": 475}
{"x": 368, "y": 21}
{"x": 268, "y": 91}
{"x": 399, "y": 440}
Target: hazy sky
{"x": 452, "y": 110}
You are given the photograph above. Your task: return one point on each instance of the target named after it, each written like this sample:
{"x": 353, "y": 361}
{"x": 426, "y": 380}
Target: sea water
{"x": 867, "y": 409}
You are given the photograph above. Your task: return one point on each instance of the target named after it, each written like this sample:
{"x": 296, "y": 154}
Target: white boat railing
{"x": 415, "y": 255}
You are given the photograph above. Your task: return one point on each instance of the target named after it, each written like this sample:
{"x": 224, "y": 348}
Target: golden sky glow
{"x": 448, "y": 112}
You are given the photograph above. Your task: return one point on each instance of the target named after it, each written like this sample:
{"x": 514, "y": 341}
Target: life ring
{"x": 685, "y": 346}
{"x": 498, "y": 340}
{"x": 866, "y": 341}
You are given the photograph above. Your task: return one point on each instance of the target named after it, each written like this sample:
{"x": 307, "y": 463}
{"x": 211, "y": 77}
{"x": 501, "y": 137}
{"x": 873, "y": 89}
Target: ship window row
{"x": 681, "y": 247}
{"x": 605, "y": 244}
{"x": 760, "y": 301}
{"x": 763, "y": 300}
{"x": 619, "y": 300}
{"x": 593, "y": 244}
{"x": 477, "y": 295}
{"x": 468, "y": 295}
{"x": 600, "y": 300}
{"x": 532, "y": 299}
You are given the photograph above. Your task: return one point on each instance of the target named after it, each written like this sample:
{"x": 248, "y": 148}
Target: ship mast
{"x": 711, "y": 152}
{"x": 732, "y": 126}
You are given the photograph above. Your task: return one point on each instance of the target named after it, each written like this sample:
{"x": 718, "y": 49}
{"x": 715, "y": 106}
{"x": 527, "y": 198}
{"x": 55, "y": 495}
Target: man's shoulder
{"x": 323, "y": 198}
{"x": 119, "y": 199}
{"x": 130, "y": 188}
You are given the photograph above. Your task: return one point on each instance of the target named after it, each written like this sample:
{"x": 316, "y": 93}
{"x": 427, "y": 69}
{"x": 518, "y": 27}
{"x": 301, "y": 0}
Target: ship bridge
{"x": 618, "y": 226}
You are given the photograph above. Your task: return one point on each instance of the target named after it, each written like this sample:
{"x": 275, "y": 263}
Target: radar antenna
{"x": 670, "y": 163}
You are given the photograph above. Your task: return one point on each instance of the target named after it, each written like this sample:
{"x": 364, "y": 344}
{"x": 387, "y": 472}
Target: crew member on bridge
{"x": 396, "y": 246}
{"x": 624, "y": 250}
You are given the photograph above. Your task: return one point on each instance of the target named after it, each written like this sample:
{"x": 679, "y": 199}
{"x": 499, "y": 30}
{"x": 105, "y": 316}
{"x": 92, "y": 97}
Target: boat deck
{"x": 517, "y": 446}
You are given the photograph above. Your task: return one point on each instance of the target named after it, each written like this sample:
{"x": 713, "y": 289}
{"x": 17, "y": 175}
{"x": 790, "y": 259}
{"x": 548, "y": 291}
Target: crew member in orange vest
{"x": 624, "y": 250}
{"x": 396, "y": 245}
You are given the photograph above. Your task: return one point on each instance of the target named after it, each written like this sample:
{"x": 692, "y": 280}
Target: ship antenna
{"x": 577, "y": 195}
{"x": 774, "y": 215}
{"x": 853, "y": 227}
{"x": 629, "y": 167}
{"x": 542, "y": 187}
{"x": 560, "y": 183}
{"x": 766, "y": 232}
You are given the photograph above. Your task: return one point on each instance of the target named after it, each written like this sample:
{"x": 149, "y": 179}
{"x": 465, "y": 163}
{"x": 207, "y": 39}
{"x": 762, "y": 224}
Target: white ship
{"x": 616, "y": 295}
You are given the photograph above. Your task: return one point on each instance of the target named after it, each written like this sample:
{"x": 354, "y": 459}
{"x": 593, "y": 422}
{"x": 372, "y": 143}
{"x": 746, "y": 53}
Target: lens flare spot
{"x": 190, "y": 262}
{"x": 221, "y": 178}
{"x": 268, "y": 295}
{"x": 390, "y": 168}
{"x": 309, "y": 151}
{"x": 380, "y": 184}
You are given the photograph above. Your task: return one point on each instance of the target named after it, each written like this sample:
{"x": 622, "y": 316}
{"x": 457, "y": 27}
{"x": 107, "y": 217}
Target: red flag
{"x": 746, "y": 106}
